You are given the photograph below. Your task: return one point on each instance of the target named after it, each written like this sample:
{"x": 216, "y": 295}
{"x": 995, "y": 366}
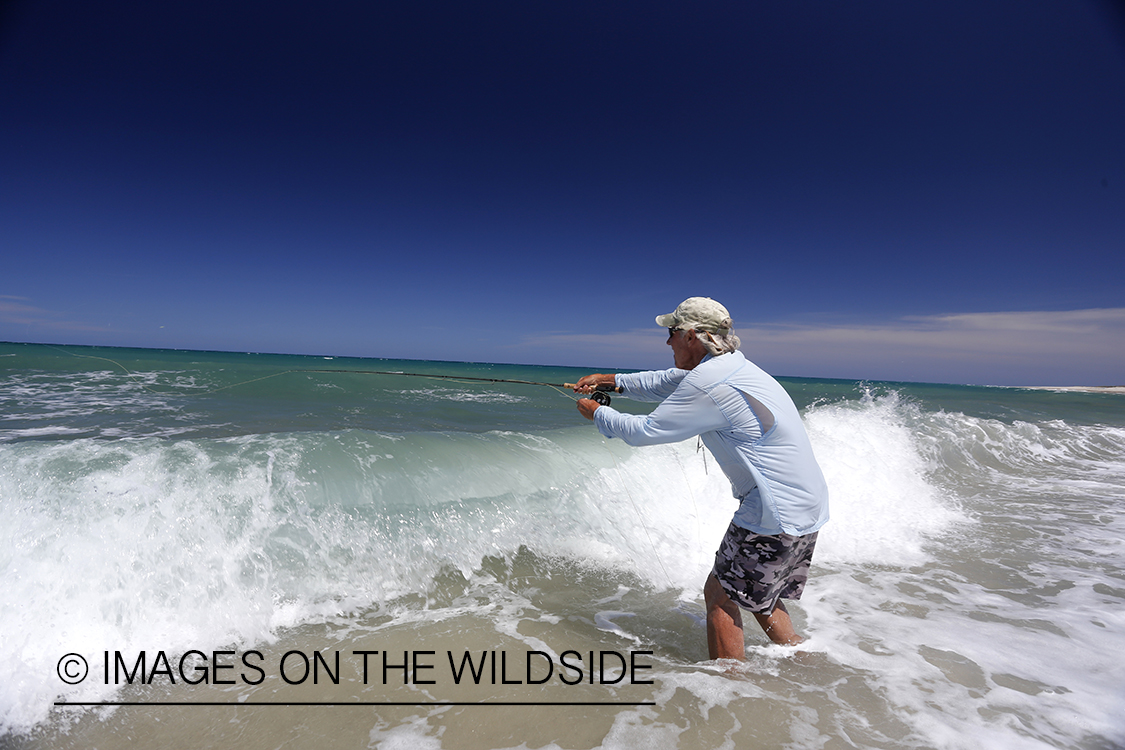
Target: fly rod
{"x": 598, "y": 395}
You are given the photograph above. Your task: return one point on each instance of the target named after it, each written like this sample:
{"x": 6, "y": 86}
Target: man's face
{"x": 687, "y": 351}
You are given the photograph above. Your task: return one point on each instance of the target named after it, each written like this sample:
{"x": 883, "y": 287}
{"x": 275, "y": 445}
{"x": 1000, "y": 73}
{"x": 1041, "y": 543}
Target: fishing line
{"x": 641, "y": 518}
{"x": 183, "y": 390}
{"x": 687, "y": 482}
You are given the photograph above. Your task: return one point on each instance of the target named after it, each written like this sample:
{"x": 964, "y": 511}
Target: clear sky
{"x": 930, "y": 191}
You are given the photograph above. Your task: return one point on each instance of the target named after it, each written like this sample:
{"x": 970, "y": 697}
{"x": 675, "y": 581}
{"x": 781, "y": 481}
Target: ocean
{"x": 205, "y": 549}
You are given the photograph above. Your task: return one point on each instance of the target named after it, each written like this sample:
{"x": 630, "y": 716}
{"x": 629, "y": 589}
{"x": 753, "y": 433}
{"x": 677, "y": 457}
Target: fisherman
{"x": 752, "y": 428}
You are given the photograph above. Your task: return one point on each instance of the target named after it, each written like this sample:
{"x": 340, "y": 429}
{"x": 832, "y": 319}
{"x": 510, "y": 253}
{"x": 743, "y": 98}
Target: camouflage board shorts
{"x": 756, "y": 570}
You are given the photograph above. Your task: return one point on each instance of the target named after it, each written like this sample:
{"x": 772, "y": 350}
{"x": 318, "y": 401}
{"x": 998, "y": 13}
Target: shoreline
{"x": 1076, "y": 388}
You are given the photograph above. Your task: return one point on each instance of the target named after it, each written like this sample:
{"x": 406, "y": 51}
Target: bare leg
{"x": 778, "y": 626}
{"x": 724, "y": 623}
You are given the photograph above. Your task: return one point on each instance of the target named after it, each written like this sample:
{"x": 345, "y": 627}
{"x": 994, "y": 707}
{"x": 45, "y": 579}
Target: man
{"x": 751, "y": 426}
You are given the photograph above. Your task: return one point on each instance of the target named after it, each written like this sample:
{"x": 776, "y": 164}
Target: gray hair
{"x": 718, "y": 344}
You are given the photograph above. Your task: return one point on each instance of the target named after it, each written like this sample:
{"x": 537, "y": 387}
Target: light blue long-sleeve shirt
{"x": 751, "y": 426}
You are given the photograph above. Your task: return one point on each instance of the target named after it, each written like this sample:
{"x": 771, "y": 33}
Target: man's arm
{"x": 652, "y": 385}
{"x": 686, "y": 413}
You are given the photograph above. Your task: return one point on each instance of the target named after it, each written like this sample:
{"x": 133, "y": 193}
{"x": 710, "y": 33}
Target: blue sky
{"x": 884, "y": 190}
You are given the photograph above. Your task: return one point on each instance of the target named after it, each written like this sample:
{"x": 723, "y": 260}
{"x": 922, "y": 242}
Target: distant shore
{"x": 1078, "y": 388}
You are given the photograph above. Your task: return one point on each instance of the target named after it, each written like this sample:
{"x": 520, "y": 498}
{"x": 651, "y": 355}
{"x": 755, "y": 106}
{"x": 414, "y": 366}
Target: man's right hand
{"x": 587, "y": 407}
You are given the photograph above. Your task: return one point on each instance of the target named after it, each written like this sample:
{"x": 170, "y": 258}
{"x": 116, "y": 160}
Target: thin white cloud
{"x": 1008, "y": 333}
{"x": 13, "y": 312}
{"x": 1074, "y": 347}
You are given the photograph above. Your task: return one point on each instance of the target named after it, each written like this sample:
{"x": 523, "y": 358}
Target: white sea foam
{"x": 885, "y": 506}
{"x": 454, "y": 394}
{"x": 997, "y": 636}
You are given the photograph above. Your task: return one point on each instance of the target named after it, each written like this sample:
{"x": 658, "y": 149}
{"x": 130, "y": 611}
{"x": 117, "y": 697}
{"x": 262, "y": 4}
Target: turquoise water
{"x": 968, "y": 591}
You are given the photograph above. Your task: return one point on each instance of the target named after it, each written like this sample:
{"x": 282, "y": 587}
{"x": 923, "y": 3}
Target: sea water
{"x": 319, "y": 551}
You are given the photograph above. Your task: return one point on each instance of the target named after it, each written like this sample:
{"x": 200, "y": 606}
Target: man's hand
{"x": 587, "y": 407}
{"x": 589, "y": 383}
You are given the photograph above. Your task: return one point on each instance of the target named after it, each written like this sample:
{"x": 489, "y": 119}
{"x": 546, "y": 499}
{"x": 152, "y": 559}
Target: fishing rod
{"x": 600, "y": 393}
